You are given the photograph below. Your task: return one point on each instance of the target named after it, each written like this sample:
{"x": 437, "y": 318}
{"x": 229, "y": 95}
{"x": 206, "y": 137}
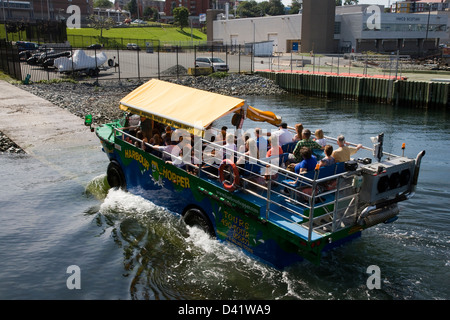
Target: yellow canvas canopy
{"x": 263, "y": 116}
{"x": 179, "y": 106}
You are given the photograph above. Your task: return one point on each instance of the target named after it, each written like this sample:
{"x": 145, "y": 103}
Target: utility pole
{"x": 4, "y": 20}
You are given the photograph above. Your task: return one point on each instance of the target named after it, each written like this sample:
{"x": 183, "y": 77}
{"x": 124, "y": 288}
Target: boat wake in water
{"x": 166, "y": 259}
{"x": 163, "y": 258}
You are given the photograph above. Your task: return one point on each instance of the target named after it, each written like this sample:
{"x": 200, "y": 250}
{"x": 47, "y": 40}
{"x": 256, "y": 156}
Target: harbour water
{"x": 56, "y": 212}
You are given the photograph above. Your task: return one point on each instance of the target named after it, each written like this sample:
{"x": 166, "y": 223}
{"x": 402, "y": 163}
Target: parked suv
{"x": 133, "y": 46}
{"x": 216, "y": 63}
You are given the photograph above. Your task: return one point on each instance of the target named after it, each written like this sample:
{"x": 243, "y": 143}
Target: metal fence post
{"x": 195, "y": 59}
{"x": 139, "y": 69}
{"x": 314, "y": 63}
{"x": 96, "y": 66}
{"x": 338, "y": 66}
{"x": 118, "y": 61}
{"x": 159, "y": 66}
{"x": 291, "y": 61}
{"x": 226, "y": 54}
{"x": 176, "y": 66}
{"x": 16, "y": 61}
{"x": 71, "y": 59}
{"x": 48, "y": 71}
{"x": 239, "y": 48}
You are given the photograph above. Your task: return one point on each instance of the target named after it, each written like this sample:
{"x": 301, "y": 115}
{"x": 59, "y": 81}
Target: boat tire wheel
{"x": 197, "y": 218}
{"x": 115, "y": 176}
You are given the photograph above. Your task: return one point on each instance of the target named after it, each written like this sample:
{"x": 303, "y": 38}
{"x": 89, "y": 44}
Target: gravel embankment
{"x": 102, "y": 100}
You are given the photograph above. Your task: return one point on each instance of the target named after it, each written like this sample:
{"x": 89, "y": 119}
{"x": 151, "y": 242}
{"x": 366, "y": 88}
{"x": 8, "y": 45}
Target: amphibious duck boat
{"x": 255, "y": 203}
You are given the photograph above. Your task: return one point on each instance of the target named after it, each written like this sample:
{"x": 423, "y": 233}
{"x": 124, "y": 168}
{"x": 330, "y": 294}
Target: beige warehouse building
{"x": 324, "y": 28}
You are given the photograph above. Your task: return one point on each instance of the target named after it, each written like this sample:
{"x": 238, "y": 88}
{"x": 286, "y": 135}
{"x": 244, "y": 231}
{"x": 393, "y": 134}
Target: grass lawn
{"x": 139, "y": 35}
{"x": 7, "y": 78}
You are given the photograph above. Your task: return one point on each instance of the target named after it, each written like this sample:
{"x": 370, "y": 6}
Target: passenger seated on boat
{"x": 308, "y": 163}
{"x": 140, "y": 137}
{"x": 167, "y": 148}
{"x": 274, "y": 147}
{"x": 250, "y": 150}
{"x": 298, "y": 132}
{"x": 328, "y": 160}
{"x": 229, "y": 148}
{"x": 221, "y": 137}
{"x": 168, "y": 130}
{"x": 130, "y": 136}
{"x": 247, "y": 162}
{"x": 134, "y": 120}
{"x": 156, "y": 140}
{"x": 344, "y": 152}
{"x": 177, "y": 160}
{"x": 144, "y": 145}
{"x": 261, "y": 140}
{"x": 194, "y": 164}
{"x": 319, "y": 138}
{"x": 305, "y": 142}
{"x": 283, "y": 134}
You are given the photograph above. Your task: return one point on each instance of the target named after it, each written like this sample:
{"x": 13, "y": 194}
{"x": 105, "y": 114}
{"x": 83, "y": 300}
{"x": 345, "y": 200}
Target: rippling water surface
{"x": 56, "y": 211}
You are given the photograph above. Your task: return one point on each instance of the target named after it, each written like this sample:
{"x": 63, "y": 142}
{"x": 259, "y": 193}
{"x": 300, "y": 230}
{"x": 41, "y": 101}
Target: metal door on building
{"x": 274, "y": 37}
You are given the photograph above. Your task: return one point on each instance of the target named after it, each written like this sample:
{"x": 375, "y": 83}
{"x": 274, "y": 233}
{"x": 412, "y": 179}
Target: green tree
{"x": 276, "y": 8}
{"x": 248, "y": 9}
{"x": 100, "y": 23}
{"x": 132, "y": 7}
{"x": 103, "y": 4}
{"x": 295, "y": 7}
{"x": 181, "y": 17}
{"x": 151, "y": 14}
{"x": 263, "y": 8}
{"x": 148, "y": 13}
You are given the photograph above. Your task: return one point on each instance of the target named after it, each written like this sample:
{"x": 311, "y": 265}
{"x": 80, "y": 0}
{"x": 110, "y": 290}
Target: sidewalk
{"x": 38, "y": 125}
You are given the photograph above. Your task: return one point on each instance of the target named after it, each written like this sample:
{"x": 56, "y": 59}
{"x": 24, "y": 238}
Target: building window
{"x": 337, "y": 27}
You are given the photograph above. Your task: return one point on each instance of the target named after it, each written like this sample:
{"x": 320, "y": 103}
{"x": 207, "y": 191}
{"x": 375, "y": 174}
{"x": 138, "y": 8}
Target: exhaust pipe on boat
{"x": 372, "y": 216}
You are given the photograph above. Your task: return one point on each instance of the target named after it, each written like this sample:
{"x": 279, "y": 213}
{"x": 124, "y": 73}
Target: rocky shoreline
{"x": 102, "y": 99}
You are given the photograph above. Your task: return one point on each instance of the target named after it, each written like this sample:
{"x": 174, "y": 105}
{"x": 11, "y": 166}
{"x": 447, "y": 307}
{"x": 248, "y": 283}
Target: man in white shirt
{"x": 284, "y": 135}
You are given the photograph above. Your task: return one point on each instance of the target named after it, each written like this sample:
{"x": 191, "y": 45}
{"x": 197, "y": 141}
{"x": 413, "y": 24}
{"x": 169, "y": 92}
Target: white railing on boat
{"x": 316, "y": 210}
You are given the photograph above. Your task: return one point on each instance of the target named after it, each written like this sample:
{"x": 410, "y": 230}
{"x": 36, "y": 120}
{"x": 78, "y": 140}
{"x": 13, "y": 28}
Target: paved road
{"x": 37, "y": 125}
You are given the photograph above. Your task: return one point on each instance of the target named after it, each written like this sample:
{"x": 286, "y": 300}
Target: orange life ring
{"x": 226, "y": 185}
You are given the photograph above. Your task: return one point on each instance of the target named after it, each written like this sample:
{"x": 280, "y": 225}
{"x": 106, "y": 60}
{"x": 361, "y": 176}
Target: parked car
{"x": 26, "y": 49}
{"x": 95, "y": 46}
{"x": 29, "y": 46}
{"x": 216, "y": 63}
{"x": 138, "y": 21}
{"x": 133, "y": 46}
